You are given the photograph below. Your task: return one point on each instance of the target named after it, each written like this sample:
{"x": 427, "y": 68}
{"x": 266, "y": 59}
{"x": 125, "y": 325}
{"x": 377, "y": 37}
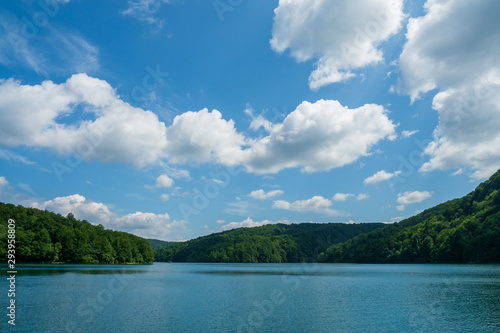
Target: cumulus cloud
{"x": 118, "y": 133}
{"x": 380, "y": 177}
{"x": 164, "y": 197}
{"x": 164, "y": 181}
{"x": 316, "y": 204}
{"x": 319, "y": 136}
{"x": 142, "y": 224}
{"x": 148, "y": 225}
{"x": 3, "y": 182}
{"x": 80, "y": 207}
{"x": 204, "y": 136}
{"x": 343, "y": 35}
{"x": 263, "y": 195}
{"x": 461, "y": 62}
{"x": 248, "y": 223}
{"x": 341, "y": 196}
{"x": 408, "y": 198}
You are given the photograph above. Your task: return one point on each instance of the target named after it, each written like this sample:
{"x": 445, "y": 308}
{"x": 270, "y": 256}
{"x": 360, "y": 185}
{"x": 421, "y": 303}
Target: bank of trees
{"x": 274, "y": 243}
{"x": 43, "y": 237}
{"x": 459, "y": 231}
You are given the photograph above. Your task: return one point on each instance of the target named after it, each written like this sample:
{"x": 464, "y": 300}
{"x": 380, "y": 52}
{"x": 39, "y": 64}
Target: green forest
{"x": 465, "y": 230}
{"x": 45, "y": 237}
{"x": 273, "y": 243}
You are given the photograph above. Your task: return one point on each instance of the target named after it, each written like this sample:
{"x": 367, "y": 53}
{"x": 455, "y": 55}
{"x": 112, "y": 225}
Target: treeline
{"x": 273, "y": 243}
{"x": 43, "y": 237}
{"x": 459, "y": 231}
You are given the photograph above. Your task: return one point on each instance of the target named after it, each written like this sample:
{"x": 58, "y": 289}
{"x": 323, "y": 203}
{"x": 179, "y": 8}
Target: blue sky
{"x": 176, "y": 119}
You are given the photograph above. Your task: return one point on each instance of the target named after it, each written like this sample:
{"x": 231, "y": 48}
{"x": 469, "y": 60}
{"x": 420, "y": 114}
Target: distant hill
{"x": 44, "y": 237}
{"x": 458, "y": 231}
{"x": 270, "y": 243}
{"x": 157, "y": 244}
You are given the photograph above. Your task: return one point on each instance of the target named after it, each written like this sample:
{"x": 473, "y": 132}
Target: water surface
{"x": 256, "y": 298}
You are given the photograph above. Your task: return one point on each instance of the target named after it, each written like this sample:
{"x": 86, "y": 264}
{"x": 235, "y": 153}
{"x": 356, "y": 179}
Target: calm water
{"x": 256, "y": 298}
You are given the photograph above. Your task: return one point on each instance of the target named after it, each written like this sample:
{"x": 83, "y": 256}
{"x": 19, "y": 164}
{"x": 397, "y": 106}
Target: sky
{"x": 175, "y": 119}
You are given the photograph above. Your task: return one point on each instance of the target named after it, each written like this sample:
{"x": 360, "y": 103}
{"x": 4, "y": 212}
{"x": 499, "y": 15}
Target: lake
{"x": 181, "y": 297}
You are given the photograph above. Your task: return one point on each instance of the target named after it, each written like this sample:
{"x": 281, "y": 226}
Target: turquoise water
{"x": 256, "y": 298}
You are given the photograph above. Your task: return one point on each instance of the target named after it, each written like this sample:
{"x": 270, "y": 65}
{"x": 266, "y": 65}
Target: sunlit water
{"x": 256, "y": 298}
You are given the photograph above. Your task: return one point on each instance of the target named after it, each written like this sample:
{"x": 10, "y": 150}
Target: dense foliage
{"x": 270, "y": 243}
{"x": 43, "y": 236}
{"x": 458, "y": 231}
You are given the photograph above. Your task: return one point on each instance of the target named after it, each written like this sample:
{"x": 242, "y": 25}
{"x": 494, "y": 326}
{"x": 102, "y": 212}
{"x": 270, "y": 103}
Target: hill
{"x": 458, "y": 231}
{"x": 269, "y": 243}
{"x": 42, "y": 236}
{"x": 157, "y": 244}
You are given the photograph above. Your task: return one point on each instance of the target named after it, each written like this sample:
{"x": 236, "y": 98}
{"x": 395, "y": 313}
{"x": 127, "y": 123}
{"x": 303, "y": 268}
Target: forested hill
{"x": 157, "y": 244}
{"x": 270, "y": 243}
{"x": 458, "y": 231}
{"x": 43, "y": 236}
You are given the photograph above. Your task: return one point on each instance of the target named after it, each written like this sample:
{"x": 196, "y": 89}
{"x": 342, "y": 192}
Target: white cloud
{"x": 362, "y": 196}
{"x": 341, "y": 196}
{"x": 142, "y": 224}
{"x": 408, "y": 198}
{"x": 204, "y": 137}
{"x": 164, "y": 197}
{"x": 249, "y": 223}
{"x": 319, "y": 136}
{"x": 119, "y": 133}
{"x": 344, "y": 35}
{"x": 164, "y": 181}
{"x": 467, "y": 134}
{"x": 461, "y": 62}
{"x": 407, "y": 134}
{"x": 316, "y": 204}
{"x": 380, "y": 177}
{"x": 148, "y": 225}
{"x": 220, "y": 221}
{"x": 262, "y": 195}
{"x": 80, "y": 207}
{"x": 3, "y": 182}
